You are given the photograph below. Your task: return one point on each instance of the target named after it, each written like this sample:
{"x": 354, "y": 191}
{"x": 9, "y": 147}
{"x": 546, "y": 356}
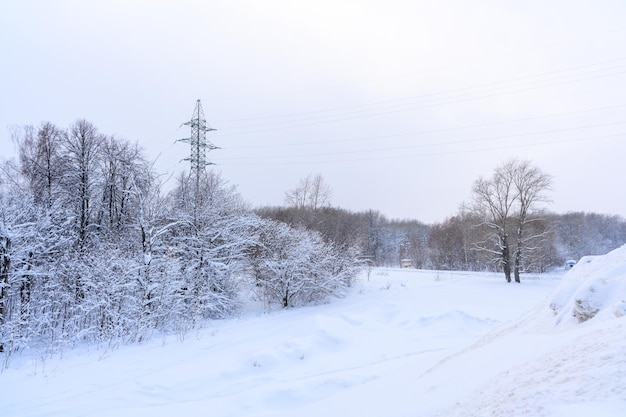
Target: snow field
{"x": 403, "y": 343}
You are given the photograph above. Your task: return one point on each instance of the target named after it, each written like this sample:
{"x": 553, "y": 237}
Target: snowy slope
{"x": 405, "y": 343}
{"x": 567, "y": 357}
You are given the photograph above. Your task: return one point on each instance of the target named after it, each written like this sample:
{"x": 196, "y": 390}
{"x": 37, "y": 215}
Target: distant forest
{"x": 454, "y": 244}
{"x": 504, "y": 227}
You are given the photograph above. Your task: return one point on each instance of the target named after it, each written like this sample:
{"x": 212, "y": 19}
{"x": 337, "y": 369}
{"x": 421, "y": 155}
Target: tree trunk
{"x": 286, "y": 297}
{"x": 506, "y": 258}
{"x": 5, "y": 263}
{"x": 518, "y": 262}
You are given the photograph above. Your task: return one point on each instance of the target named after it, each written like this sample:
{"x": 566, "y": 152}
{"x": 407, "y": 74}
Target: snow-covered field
{"x": 404, "y": 343}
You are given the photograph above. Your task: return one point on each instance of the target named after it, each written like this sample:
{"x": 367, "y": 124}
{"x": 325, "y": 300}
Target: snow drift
{"x": 566, "y": 357}
{"x": 594, "y": 288}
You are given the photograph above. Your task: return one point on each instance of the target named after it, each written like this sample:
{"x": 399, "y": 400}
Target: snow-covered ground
{"x": 404, "y": 343}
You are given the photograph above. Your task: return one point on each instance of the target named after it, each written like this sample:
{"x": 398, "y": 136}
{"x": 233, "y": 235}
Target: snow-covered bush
{"x": 292, "y": 267}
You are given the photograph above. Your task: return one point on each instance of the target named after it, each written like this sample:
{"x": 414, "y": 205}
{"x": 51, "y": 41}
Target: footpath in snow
{"x": 404, "y": 343}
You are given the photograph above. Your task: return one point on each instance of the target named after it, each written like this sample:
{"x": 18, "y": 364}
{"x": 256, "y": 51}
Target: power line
{"x": 419, "y": 107}
{"x": 423, "y": 132}
{"x": 574, "y": 41}
{"x": 452, "y": 152}
{"x": 458, "y": 98}
{"x": 395, "y": 102}
{"x": 456, "y": 142}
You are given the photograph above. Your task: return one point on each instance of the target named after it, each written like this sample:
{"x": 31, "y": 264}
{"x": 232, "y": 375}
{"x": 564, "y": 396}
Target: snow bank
{"x": 565, "y": 358}
{"x": 594, "y": 288}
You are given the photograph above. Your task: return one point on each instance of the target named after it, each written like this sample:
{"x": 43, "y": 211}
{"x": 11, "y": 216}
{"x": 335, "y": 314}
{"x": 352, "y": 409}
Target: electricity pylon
{"x": 199, "y": 144}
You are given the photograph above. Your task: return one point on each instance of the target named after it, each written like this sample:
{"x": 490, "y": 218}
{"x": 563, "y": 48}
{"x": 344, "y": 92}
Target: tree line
{"x": 91, "y": 249}
{"x": 505, "y": 227}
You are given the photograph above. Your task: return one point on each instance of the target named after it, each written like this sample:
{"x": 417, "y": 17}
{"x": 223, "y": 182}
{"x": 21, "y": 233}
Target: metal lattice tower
{"x": 199, "y": 142}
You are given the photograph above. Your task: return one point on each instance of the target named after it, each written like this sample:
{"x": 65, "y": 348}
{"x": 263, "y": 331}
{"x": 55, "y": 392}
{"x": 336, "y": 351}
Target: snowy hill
{"x": 404, "y": 343}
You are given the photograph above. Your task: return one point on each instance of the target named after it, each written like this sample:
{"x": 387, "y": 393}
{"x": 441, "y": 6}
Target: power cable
{"x": 524, "y": 145}
{"x": 423, "y": 132}
{"x": 465, "y": 141}
{"x": 419, "y": 107}
{"x": 395, "y": 103}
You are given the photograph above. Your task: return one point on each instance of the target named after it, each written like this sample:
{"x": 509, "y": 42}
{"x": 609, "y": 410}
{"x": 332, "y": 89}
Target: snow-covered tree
{"x": 506, "y": 203}
{"x": 210, "y": 239}
{"x": 41, "y": 161}
{"x": 124, "y": 171}
{"x": 82, "y": 145}
{"x": 292, "y": 267}
{"x": 5, "y": 263}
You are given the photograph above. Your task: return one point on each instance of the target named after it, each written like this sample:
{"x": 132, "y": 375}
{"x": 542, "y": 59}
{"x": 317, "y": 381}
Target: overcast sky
{"x": 399, "y": 105}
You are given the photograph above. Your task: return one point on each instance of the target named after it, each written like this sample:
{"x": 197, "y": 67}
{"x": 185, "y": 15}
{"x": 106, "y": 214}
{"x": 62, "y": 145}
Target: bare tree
{"x": 505, "y": 203}
{"x": 493, "y": 202}
{"x": 298, "y": 196}
{"x": 82, "y": 145}
{"x": 320, "y": 194}
{"x": 124, "y": 172}
{"x": 530, "y": 187}
{"x": 40, "y": 160}
{"x": 311, "y": 193}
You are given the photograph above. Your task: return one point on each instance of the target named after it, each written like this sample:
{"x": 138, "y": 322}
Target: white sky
{"x": 400, "y": 105}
